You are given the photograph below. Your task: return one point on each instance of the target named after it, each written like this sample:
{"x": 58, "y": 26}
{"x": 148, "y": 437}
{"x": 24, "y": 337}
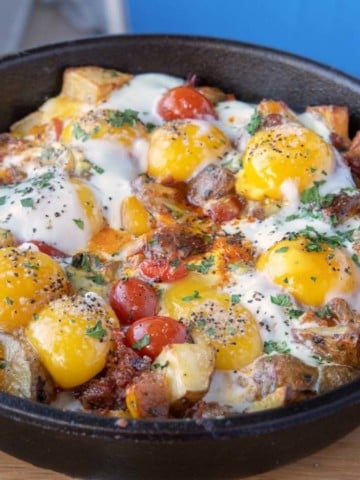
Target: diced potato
{"x": 271, "y": 107}
{"x": 22, "y": 373}
{"x": 339, "y": 344}
{"x": 270, "y": 372}
{"x": 187, "y": 369}
{"x": 335, "y": 117}
{"x": 26, "y": 124}
{"x": 92, "y": 84}
{"x": 333, "y": 376}
{"x": 108, "y": 242}
{"x": 281, "y": 397}
{"x": 213, "y": 94}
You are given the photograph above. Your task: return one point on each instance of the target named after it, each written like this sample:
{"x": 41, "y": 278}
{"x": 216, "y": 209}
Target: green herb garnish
{"x": 97, "y": 331}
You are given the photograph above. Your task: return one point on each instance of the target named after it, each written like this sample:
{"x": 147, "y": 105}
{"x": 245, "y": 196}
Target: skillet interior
{"x": 92, "y": 447}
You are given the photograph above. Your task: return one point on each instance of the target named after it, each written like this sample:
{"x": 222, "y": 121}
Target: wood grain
{"x": 340, "y": 461}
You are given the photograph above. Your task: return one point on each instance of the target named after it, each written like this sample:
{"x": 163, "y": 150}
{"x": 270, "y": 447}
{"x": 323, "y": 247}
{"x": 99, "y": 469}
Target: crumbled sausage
{"x": 211, "y": 183}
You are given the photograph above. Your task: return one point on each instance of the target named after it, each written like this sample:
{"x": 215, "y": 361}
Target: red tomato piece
{"x": 185, "y": 102}
{"x": 58, "y": 126}
{"x": 161, "y": 270}
{"x": 150, "y": 335}
{"x": 48, "y": 249}
{"x": 132, "y": 299}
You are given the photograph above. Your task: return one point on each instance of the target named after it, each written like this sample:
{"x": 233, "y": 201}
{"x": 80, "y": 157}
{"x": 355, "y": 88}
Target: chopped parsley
{"x": 3, "y": 363}
{"x": 27, "y": 202}
{"x": 282, "y": 300}
{"x": 254, "y": 123}
{"x": 282, "y": 250}
{"x": 235, "y": 299}
{"x": 324, "y": 312}
{"x": 204, "y": 266}
{"x": 79, "y": 223}
{"x": 294, "y": 313}
{"x": 150, "y": 127}
{"x": 33, "y": 266}
{"x": 35, "y": 316}
{"x": 356, "y": 259}
{"x": 175, "y": 262}
{"x": 98, "y": 169}
{"x": 316, "y": 239}
{"x": 9, "y": 300}
{"x": 312, "y": 195}
{"x": 279, "y": 347}
{"x": 97, "y": 331}
{"x": 79, "y": 133}
{"x": 119, "y": 119}
{"x": 143, "y": 342}
{"x": 3, "y": 200}
{"x": 43, "y": 180}
{"x": 159, "y": 366}
{"x": 98, "y": 279}
{"x": 191, "y": 297}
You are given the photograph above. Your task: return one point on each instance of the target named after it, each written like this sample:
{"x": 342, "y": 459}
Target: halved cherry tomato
{"x": 161, "y": 270}
{"x": 149, "y": 336}
{"x": 185, "y": 102}
{"x": 48, "y": 249}
{"x": 132, "y": 299}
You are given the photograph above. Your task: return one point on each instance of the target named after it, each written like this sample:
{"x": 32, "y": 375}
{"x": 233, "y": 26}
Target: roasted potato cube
{"x": 270, "y": 372}
{"x": 334, "y": 116}
{"x": 187, "y": 369}
{"x": 148, "y": 396}
{"x": 339, "y": 344}
{"x": 25, "y": 125}
{"x": 213, "y": 94}
{"x": 281, "y": 397}
{"x": 92, "y": 84}
{"x": 273, "y": 107}
{"x": 22, "y": 373}
{"x": 333, "y": 376}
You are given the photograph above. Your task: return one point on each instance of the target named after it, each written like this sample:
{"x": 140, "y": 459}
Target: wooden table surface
{"x": 340, "y": 461}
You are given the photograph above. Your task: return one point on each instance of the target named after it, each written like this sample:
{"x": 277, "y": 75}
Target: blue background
{"x": 324, "y": 30}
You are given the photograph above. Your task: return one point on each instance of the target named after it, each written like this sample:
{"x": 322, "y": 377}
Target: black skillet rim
{"x": 75, "y": 423}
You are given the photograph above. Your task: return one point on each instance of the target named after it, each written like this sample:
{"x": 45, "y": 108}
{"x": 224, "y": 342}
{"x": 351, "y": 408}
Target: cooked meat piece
{"x": 270, "y": 372}
{"x": 226, "y": 208}
{"x": 22, "y": 374}
{"x": 203, "y": 409}
{"x": 147, "y": 396}
{"x": 333, "y": 376}
{"x": 339, "y": 142}
{"x": 175, "y": 240}
{"x": 352, "y": 156}
{"x": 344, "y": 206}
{"x": 212, "y": 182}
{"x": 339, "y": 344}
{"x": 272, "y": 120}
{"x": 108, "y": 390}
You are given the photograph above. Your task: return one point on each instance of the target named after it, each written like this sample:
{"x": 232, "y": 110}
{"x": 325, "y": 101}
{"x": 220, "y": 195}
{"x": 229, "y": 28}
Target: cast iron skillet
{"x": 91, "y": 447}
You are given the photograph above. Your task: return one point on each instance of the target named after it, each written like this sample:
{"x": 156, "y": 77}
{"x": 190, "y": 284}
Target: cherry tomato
{"x": 149, "y": 335}
{"x": 161, "y": 270}
{"x": 48, "y": 249}
{"x": 132, "y": 299}
{"x": 185, "y": 102}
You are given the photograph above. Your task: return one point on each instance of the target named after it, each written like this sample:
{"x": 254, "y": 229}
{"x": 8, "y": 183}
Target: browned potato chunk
{"x": 270, "y": 372}
{"x": 334, "y": 116}
{"x": 21, "y": 372}
{"x": 352, "y": 156}
{"x": 276, "y": 108}
{"x": 338, "y": 344}
{"x": 281, "y": 397}
{"x": 92, "y": 84}
{"x": 25, "y": 125}
{"x": 333, "y": 376}
{"x": 213, "y": 94}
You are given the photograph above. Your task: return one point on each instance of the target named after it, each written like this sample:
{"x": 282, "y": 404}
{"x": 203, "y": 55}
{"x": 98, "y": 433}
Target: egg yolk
{"x": 107, "y": 125}
{"x": 230, "y": 328}
{"x": 72, "y": 337}
{"x": 28, "y": 281}
{"x": 280, "y": 153}
{"x": 178, "y": 149}
{"x": 310, "y": 274}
